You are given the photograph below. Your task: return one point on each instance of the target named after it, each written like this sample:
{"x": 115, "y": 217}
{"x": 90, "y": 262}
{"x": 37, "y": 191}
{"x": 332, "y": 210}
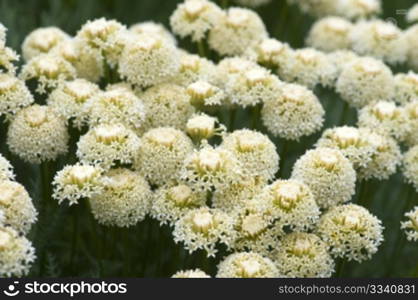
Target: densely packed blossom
{"x": 203, "y": 127}
{"x": 6, "y": 169}
{"x": 193, "y": 68}
{"x": 246, "y": 265}
{"x": 412, "y": 56}
{"x": 204, "y": 95}
{"x": 410, "y": 166}
{"x": 37, "y": 134}
{"x": 411, "y": 225}
{"x": 196, "y": 273}
{"x": 412, "y": 114}
{"x": 269, "y": 52}
{"x": 412, "y": 15}
{"x": 14, "y": 95}
{"x": 294, "y": 112}
{"x": 303, "y": 255}
{"x": 351, "y": 231}
{"x": 7, "y": 59}
{"x": 406, "y": 87}
{"x": 329, "y": 175}
{"x": 150, "y": 27}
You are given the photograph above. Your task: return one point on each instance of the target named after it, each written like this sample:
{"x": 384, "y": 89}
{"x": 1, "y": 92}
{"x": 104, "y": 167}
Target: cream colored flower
{"x": 329, "y": 175}
{"x": 203, "y": 228}
{"x": 412, "y": 15}
{"x": 203, "y": 127}
{"x": 246, "y": 265}
{"x": 124, "y": 201}
{"x": 411, "y": 225}
{"x": 406, "y": 87}
{"x": 410, "y": 166}
{"x": 204, "y": 95}
{"x": 302, "y": 254}
{"x": 294, "y": 112}
{"x": 412, "y": 114}
{"x": 3, "y": 31}
{"x": 16, "y": 204}
{"x": 152, "y": 28}
{"x": 411, "y": 35}
{"x": 196, "y": 273}
{"x": 14, "y": 95}
{"x": 7, "y": 59}
{"x": 269, "y": 52}
{"x": 351, "y": 231}
{"x": 6, "y": 169}
{"x": 341, "y": 58}
{"x": 37, "y": 134}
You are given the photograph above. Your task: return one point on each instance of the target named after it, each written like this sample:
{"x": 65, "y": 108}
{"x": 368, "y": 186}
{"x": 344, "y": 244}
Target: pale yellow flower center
{"x": 237, "y": 18}
{"x": 202, "y": 221}
{"x": 107, "y": 134}
{"x": 201, "y": 126}
{"x": 370, "y": 67}
{"x": 36, "y": 115}
{"x": 181, "y": 195}
{"x": 367, "y": 5}
{"x": 346, "y": 136}
{"x": 194, "y": 8}
{"x": 255, "y": 76}
{"x": 5, "y": 239}
{"x": 253, "y": 224}
{"x": 293, "y": 94}
{"x": 307, "y": 56}
{"x": 271, "y": 47}
{"x": 148, "y": 43}
{"x": 80, "y": 90}
{"x": 7, "y": 193}
{"x": 385, "y": 110}
{"x": 7, "y": 82}
{"x": 286, "y": 195}
{"x": 412, "y": 78}
{"x": 351, "y": 220}
{"x": 337, "y": 26}
{"x": 119, "y": 180}
{"x": 250, "y": 267}
{"x": 328, "y": 159}
{"x": 209, "y": 160}
{"x": 247, "y": 143}
{"x": 48, "y": 66}
{"x": 414, "y": 220}
{"x": 386, "y": 31}
{"x": 45, "y": 41}
{"x": 82, "y": 174}
{"x": 162, "y": 137}
{"x": 301, "y": 246}
{"x": 191, "y": 63}
{"x": 200, "y": 89}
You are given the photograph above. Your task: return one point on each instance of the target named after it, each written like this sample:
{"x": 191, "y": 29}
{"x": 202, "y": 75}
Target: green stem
{"x": 201, "y": 48}
{"x": 74, "y": 239}
{"x": 340, "y": 268}
{"x": 282, "y": 20}
{"x": 344, "y": 113}
{"x": 224, "y": 4}
{"x": 283, "y": 154}
{"x": 232, "y": 115}
{"x": 255, "y": 116}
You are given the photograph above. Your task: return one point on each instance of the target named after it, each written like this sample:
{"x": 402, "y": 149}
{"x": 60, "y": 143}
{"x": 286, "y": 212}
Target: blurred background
{"x": 147, "y": 249}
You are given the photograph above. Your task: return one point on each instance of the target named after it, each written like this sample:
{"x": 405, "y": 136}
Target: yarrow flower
{"x": 170, "y": 203}
{"x": 76, "y": 182}
{"x": 37, "y": 134}
{"x": 269, "y": 52}
{"x": 124, "y": 201}
{"x": 329, "y": 175}
{"x": 41, "y": 41}
{"x": 70, "y": 98}
{"x": 406, "y": 87}
{"x": 204, "y": 95}
{"x": 411, "y": 225}
{"x": 193, "y": 68}
{"x": 246, "y": 265}
{"x": 161, "y": 155}
{"x": 386, "y": 118}
{"x": 196, "y": 273}
{"x": 16, "y": 204}
{"x": 48, "y": 70}
{"x": 3, "y": 31}
{"x": 308, "y": 67}
{"x": 195, "y": 18}
{"x": 302, "y": 254}
{"x": 152, "y": 28}
{"x": 412, "y": 114}
{"x": 412, "y": 41}
{"x": 410, "y": 166}
{"x": 342, "y": 58}
{"x": 254, "y": 150}
{"x": 330, "y": 34}
{"x": 167, "y": 105}
{"x": 365, "y": 80}
{"x": 203, "y": 228}
{"x": 412, "y": 15}
{"x": 118, "y": 105}
{"x": 6, "y": 169}
{"x": 14, "y": 95}
{"x": 203, "y": 127}
{"x": 294, "y": 112}
{"x": 235, "y": 31}
{"x": 232, "y": 66}
{"x": 148, "y": 60}
{"x": 210, "y": 168}
{"x": 351, "y": 231}
{"x": 16, "y": 253}
{"x": 105, "y": 145}
{"x": 7, "y": 59}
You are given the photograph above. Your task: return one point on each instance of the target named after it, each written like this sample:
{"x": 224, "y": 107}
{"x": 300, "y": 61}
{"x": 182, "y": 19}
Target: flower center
{"x": 7, "y": 82}
{"x": 255, "y": 76}
{"x": 147, "y": 43}
{"x": 271, "y": 47}
{"x": 248, "y": 143}
{"x": 384, "y": 110}
{"x": 253, "y": 224}
{"x": 386, "y": 31}
{"x": 107, "y": 134}
{"x": 338, "y": 26}
{"x": 194, "y": 8}
{"x": 7, "y": 193}
{"x": 48, "y": 66}
{"x": 209, "y": 160}
{"x": 201, "y": 126}
{"x": 181, "y": 195}
{"x": 328, "y": 160}
{"x": 237, "y": 18}
{"x": 203, "y": 221}
{"x": 351, "y": 220}
{"x": 80, "y": 90}
{"x": 346, "y": 136}
{"x": 301, "y": 246}
{"x": 5, "y": 239}
{"x": 82, "y": 174}
{"x": 200, "y": 89}
{"x": 162, "y": 137}
{"x": 370, "y": 67}
{"x": 36, "y": 115}
{"x": 307, "y": 56}
{"x": 286, "y": 195}
{"x": 250, "y": 267}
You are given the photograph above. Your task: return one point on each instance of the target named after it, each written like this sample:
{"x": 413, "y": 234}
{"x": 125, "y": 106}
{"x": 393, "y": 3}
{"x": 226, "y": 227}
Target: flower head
{"x": 196, "y": 273}
{"x": 410, "y": 166}
{"x": 193, "y": 68}
{"x": 411, "y": 225}
{"x": 7, "y": 59}
{"x": 6, "y": 169}
{"x": 152, "y": 28}
{"x": 14, "y": 95}
{"x": 412, "y": 15}
{"x": 203, "y": 127}
{"x": 246, "y": 265}
{"x": 406, "y": 87}
{"x": 269, "y": 52}
{"x": 412, "y": 114}
{"x": 412, "y": 43}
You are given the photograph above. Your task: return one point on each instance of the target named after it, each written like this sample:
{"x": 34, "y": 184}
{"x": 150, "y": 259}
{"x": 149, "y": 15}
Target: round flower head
{"x": 162, "y": 153}
{"x": 69, "y": 100}
{"x": 411, "y": 225}
{"x": 203, "y": 127}
{"x": 309, "y": 67}
{"x": 382, "y": 40}
{"x": 6, "y": 169}
{"x": 386, "y": 118}
{"x": 204, "y": 95}
{"x": 291, "y": 203}
{"x": 232, "y": 66}
{"x": 294, "y": 112}
{"x": 41, "y": 41}
{"x": 251, "y": 87}
{"x": 269, "y": 52}
{"x": 77, "y": 182}
{"x": 410, "y": 166}
{"x": 124, "y": 201}
{"x": 170, "y": 203}
{"x": 3, "y": 31}
{"x": 406, "y": 87}
{"x": 341, "y": 58}
{"x": 210, "y": 168}
{"x": 358, "y": 9}
{"x": 17, "y": 206}
{"x": 365, "y": 80}
{"x": 412, "y": 15}
{"x": 193, "y": 68}
{"x": 7, "y": 57}
{"x": 353, "y": 142}
{"x": 168, "y": 105}
{"x": 235, "y": 31}
{"x": 238, "y": 194}
{"x": 351, "y": 231}
{"x": 385, "y": 159}
{"x": 194, "y": 18}
{"x": 16, "y": 253}
{"x": 329, "y": 175}
{"x": 152, "y": 28}
{"x": 49, "y": 70}
{"x": 106, "y": 145}
{"x": 412, "y": 114}
{"x": 411, "y": 35}
{"x": 118, "y": 105}
{"x": 203, "y": 228}
{"x": 303, "y": 255}
{"x": 256, "y": 153}
{"x": 37, "y": 134}
{"x": 88, "y": 65}
{"x": 196, "y": 273}
{"x": 246, "y": 265}
{"x": 14, "y": 94}
{"x": 330, "y": 34}
{"x": 148, "y": 60}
